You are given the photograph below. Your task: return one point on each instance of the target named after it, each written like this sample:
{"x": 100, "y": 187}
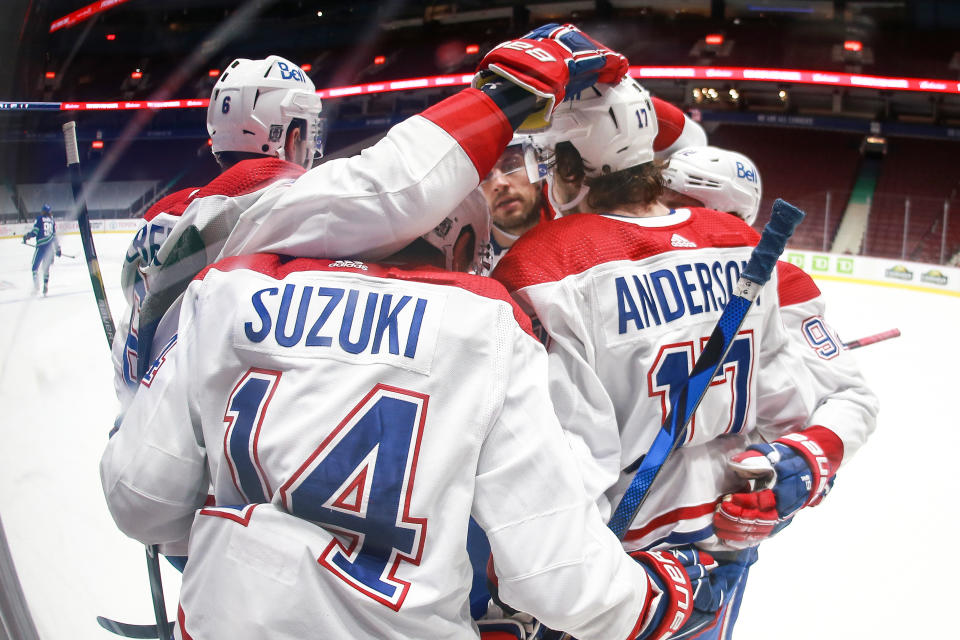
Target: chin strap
{"x": 565, "y": 207}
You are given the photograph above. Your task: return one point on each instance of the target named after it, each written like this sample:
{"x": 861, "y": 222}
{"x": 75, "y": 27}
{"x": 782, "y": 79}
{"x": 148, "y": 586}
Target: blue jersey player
{"x": 45, "y": 231}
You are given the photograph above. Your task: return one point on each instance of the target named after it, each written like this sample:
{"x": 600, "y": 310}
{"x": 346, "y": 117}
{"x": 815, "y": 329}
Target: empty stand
{"x": 917, "y": 177}
{"x": 811, "y": 169}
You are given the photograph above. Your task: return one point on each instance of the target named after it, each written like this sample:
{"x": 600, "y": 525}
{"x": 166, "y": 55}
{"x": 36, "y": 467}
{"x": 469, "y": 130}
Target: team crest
{"x": 276, "y": 131}
{"x": 442, "y": 229}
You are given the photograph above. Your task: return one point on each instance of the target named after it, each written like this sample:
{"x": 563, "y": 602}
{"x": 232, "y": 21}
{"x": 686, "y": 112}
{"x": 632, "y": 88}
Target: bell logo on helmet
{"x": 252, "y": 107}
{"x": 746, "y": 174}
{"x": 290, "y": 74}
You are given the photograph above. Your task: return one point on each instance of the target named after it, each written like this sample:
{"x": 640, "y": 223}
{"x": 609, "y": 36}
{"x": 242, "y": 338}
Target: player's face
{"x": 510, "y": 195}
{"x": 676, "y": 200}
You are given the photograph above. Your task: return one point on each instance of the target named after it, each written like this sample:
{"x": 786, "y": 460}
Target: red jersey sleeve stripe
{"x": 476, "y": 123}
{"x": 670, "y": 121}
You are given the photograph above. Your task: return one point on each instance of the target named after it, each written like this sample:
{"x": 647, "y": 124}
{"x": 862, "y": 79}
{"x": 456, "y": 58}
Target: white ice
{"x": 874, "y": 560}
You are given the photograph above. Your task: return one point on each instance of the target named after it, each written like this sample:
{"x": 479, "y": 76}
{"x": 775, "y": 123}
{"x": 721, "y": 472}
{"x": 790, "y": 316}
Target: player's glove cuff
{"x": 822, "y": 450}
{"x": 670, "y": 601}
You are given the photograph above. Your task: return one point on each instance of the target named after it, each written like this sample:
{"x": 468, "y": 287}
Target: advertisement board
{"x": 885, "y": 272}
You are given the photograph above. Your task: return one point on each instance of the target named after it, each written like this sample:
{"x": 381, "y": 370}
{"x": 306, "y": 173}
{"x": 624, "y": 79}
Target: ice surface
{"x": 872, "y": 561}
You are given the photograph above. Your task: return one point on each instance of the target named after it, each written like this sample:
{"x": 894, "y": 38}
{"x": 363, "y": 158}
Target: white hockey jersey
{"x": 350, "y": 418}
{"x": 628, "y": 303}
{"x": 366, "y": 206}
{"x": 845, "y": 404}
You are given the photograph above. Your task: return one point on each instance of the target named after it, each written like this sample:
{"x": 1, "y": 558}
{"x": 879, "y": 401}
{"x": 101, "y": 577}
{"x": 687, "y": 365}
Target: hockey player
{"x": 351, "y": 517}
{"x": 628, "y": 294}
{"x": 516, "y": 192}
{"x": 265, "y": 128}
{"x": 47, "y": 246}
{"x": 674, "y": 131}
{"x": 369, "y": 205}
{"x": 515, "y": 197}
{"x": 728, "y": 181}
{"x": 458, "y": 152}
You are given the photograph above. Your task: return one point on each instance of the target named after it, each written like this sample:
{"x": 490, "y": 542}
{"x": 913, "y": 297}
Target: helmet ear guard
{"x": 254, "y": 103}
{"x": 452, "y": 236}
{"x": 721, "y": 179}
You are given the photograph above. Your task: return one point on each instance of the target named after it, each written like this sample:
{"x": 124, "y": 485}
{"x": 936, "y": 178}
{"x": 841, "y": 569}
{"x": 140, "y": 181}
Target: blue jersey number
{"x": 246, "y": 409}
{"x": 357, "y": 483}
{"x": 819, "y": 338}
{"x": 674, "y": 363}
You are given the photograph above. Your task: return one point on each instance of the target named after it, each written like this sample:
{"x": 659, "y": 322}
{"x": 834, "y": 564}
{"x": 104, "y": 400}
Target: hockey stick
{"x": 99, "y": 291}
{"x": 685, "y": 400}
{"x": 62, "y": 253}
{"x": 877, "y": 337}
{"x": 86, "y": 235}
{"x": 128, "y": 630}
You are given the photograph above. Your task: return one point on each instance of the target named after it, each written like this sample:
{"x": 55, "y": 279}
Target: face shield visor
{"x": 519, "y": 156}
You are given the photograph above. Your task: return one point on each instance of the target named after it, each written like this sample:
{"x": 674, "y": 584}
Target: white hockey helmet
{"x": 612, "y": 127}
{"x": 721, "y": 179}
{"x": 533, "y": 162}
{"x": 472, "y": 213}
{"x": 253, "y": 103}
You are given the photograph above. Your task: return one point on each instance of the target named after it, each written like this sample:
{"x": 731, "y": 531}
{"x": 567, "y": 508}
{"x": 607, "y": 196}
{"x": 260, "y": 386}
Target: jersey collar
{"x": 677, "y": 216}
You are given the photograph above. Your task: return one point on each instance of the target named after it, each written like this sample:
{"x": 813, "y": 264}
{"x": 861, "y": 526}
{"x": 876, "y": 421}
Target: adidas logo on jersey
{"x": 678, "y": 240}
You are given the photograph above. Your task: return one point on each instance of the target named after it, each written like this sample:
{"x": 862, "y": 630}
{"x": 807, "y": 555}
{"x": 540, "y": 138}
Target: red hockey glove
{"x": 796, "y": 471}
{"x": 551, "y": 62}
{"x": 681, "y": 580}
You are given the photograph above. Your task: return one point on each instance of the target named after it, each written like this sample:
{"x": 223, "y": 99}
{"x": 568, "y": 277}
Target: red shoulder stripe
{"x": 573, "y": 244}
{"x": 243, "y": 178}
{"x": 168, "y": 202}
{"x": 481, "y": 286}
{"x": 794, "y": 285}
